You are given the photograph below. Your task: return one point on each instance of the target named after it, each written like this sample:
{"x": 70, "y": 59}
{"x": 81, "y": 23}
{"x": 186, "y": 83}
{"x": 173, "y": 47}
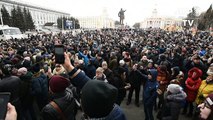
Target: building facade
{"x": 39, "y": 14}
{"x": 161, "y": 22}
{"x": 97, "y": 22}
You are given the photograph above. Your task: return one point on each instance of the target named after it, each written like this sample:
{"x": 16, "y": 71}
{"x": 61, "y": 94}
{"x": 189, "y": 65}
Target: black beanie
{"x": 98, "y": 98}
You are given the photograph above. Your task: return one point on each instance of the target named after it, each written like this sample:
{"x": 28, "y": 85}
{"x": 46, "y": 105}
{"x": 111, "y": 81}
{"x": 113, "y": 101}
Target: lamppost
{"x": 1, "y": 20}
{"x": 62, "y": 23}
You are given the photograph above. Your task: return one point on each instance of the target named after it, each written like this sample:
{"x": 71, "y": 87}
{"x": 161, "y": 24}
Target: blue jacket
{"x": 40, "y": 86}
{"x": 116, "y": 114}
{"x": 86, "y": 59}
{"x": 150, "y": 88}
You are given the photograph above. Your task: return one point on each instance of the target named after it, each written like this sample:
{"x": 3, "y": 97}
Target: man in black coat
{"x": 135, "y": 79}
{"x": 12, "y": 84}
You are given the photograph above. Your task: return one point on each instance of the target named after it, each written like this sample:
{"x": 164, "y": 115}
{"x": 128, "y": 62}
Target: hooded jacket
{"x": 150, "y": 87}
{"x": 193, "y": 83}
{"x": 204, "y": 90}
{"x": 173, "y": 104}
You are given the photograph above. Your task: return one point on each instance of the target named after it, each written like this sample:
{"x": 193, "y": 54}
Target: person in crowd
{"x": 121, "y": 84}
{"x": 206, "y": 108}
{"x": 144, "y": 62}
{"x": 163, "y": 61}
{"x": 84, "y": 55}
{"x": 59, "y": 70}
{"x": 163, "y": 79}
{"x": 206, "y": 87}
{"x": 113, "y": 62}
{"x": 95, "y": 108}
{"x": 12, "y": 84}
{"x": 150, "y": 93}
{"x": 177, "y": 76}
{"x": 174, "y": 97}
{"x": 195, "y": 61}
{"x": 135, "y": 79}
{"x": 107, "y": 72}
{"x": 90, "y": 68}
{"x": 98, "y": 60}
{"x": 25, "y": 94}
{"x": 98, "y": 101}
{"x": 100, "y": 75}
{"x": 193, "y": 83}
{"x": 62, "y": 104}
{"x": 39, "y": 87}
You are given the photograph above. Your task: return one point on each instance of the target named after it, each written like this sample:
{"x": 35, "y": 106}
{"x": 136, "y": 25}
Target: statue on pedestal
{"x": 121, "y": 15}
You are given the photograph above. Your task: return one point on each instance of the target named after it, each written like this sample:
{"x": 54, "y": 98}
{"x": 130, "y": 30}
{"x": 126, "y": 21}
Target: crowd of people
{"x": 102, "y": 67}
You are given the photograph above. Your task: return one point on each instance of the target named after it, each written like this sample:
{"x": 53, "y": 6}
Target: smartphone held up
{"x": 59, "y": 54}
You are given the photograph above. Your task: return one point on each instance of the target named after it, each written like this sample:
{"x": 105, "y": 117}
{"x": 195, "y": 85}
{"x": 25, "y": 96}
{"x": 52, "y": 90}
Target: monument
{"x": 121, "y": 15}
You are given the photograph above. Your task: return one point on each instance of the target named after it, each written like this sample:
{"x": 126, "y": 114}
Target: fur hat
{"x": 174, "y": 88}
{"x": 98, "y": 98}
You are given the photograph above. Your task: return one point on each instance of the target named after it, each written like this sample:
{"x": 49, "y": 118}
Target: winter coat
{"x": 40, "y": 89}
{"x": 163, "y": 79}
{"x": 150, "y": 88}
{"x": 40, "y": 85}
{"x": 65, "y": 102}
{"x": 116, "y": 114}
{"x": 173, "y": 105}
{"x": 113, "y": 64}
{"x": 86, "y": 59}
{"x": 204, "y": 90}
{"x": 26, "y": 87}
{"x": 192, "y": 84}
{"x": 189, "y": 65}
{"x": 135, "y": 78}
{"x": 109, "y": 75}
{"x": 120, "y": 84}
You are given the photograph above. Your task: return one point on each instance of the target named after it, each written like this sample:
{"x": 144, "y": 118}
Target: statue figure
{"x": 121, "y": 15}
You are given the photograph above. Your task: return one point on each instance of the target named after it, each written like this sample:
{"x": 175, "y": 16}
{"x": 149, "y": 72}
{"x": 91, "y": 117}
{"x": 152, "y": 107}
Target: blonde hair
{"x": 100, "y": 69}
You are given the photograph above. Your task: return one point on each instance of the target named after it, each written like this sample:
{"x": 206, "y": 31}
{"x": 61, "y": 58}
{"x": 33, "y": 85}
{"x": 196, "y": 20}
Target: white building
{"x": 39, "y": 14}
{"x": 160, "y": 22}
{"x": 102, "y": 21}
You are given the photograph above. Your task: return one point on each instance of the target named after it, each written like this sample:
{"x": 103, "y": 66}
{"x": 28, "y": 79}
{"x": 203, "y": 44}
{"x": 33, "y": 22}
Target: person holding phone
{"x": 82, "y": 81}
{"x": 206, "y": 108}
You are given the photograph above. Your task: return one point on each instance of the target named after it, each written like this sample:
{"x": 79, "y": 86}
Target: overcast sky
{"x": 136, "y": 10}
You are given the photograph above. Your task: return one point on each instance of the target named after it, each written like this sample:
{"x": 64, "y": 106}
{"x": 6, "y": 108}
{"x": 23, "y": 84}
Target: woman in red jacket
{"x": 193, "y": 83}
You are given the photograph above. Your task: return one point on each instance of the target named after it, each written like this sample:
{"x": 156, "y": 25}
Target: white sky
{"x": 136, "y": 10}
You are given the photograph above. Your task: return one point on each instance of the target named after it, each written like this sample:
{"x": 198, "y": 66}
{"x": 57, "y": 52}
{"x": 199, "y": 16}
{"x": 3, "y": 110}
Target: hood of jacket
{"x": 154, "y": 74}
{"x": 199, "y": 73}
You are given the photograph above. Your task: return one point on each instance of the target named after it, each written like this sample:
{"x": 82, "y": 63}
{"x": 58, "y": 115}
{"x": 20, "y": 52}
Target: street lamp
{"x": 1, "y": 20}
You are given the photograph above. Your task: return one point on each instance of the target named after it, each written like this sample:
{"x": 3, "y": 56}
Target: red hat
{"x": 58, "y": 83}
